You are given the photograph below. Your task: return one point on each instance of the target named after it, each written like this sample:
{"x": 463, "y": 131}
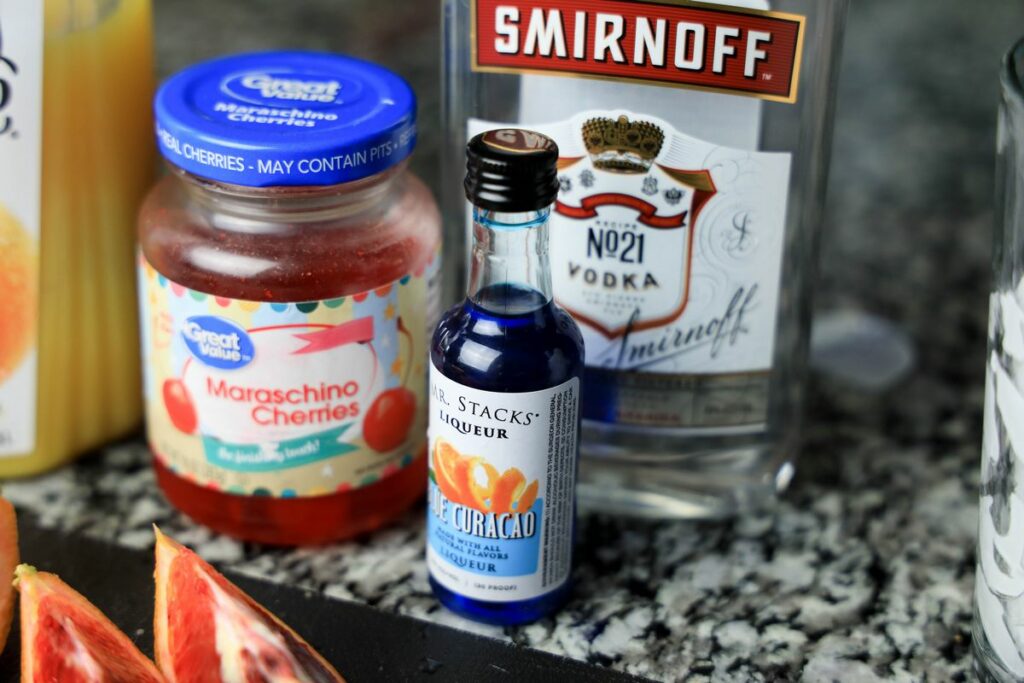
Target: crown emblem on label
{"x": 622, "y": 146}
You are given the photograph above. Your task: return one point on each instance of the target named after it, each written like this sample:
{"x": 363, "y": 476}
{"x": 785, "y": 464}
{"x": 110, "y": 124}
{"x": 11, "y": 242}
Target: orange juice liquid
{"x": 97, "y": 162}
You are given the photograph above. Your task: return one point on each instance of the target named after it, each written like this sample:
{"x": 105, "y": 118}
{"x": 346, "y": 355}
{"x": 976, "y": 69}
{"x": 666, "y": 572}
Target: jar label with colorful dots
{"x": 287, "y": 399}
{"x": 502, "y": 490}
{"x": 21, "y": 119}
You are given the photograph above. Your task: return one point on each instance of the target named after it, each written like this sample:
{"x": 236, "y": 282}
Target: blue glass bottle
{"x": 508, "y": 337}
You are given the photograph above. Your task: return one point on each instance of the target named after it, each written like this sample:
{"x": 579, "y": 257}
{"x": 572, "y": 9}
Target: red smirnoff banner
{"x": 673, "y": 43}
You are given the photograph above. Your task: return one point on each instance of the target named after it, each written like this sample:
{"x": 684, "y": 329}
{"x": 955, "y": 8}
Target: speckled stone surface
{"x": 865, "y": 570}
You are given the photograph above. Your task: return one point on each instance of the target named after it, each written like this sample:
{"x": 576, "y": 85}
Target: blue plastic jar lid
{"x": 285, "y": 118}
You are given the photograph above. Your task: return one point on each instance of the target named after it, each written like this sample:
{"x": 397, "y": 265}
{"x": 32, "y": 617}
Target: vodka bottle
{"x": 694, "y": 142}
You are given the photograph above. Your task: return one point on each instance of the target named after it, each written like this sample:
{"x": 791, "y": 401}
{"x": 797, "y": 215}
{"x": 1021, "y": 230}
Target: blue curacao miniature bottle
{"x": 506, "y": 367}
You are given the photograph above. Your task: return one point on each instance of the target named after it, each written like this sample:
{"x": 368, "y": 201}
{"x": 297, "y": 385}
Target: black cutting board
{"x": 364, "y": 644}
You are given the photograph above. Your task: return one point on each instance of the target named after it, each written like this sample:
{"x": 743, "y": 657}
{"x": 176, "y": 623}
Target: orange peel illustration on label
{"x": 471, "y": 481}
{"x": 19, "y": 283}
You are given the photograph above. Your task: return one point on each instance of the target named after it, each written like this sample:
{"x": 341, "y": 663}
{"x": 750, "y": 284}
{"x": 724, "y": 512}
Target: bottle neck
{"x": 510, "y": 273}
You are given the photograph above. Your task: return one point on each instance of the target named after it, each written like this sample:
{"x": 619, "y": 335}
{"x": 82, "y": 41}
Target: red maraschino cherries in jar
{"x": 288, "y": 277}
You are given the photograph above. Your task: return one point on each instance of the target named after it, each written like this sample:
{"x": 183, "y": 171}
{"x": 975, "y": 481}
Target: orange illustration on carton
{"x": 18, "y": 282}
{"x": 472, "y": 481}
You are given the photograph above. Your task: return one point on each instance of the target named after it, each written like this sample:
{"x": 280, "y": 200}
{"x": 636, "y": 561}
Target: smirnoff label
{"x": 667, "y": 250}
{"x": 670, "y": 43}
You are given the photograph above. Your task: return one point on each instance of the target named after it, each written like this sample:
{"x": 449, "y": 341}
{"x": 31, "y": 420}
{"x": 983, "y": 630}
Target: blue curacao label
{"x": 489, "y": 544}
{"x": 501, "y": 498}
{"x": 217, "y": 342}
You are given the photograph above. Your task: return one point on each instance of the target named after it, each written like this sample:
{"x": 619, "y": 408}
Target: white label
{"x": 665, "y": 248}
{"x": 502, "y": 489}
{"x": 21, "y": 117}
{"x": 999, "y": 589}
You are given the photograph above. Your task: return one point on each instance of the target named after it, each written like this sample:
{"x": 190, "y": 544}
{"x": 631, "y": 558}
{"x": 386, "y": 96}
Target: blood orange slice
{"x": 8, "y": 562}
{"x": 207, "y": 630}
{"x": 65, "y": 638}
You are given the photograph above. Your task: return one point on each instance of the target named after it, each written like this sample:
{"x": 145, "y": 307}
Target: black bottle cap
{"x": 511, "y": 170}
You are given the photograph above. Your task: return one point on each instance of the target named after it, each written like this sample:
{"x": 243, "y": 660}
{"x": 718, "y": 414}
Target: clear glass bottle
{"x": 998, "y": 640}
{"x": 506, "y": 366}
{"x": 694, "y": 141}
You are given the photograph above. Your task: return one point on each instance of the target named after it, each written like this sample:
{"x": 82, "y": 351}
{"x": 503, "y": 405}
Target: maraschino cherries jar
{"x": 288, "y": 276}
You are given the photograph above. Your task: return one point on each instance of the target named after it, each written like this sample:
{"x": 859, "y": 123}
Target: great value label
{"x": 284, "y": 399}
{"x": 695, "y": 45}
{"x": 21, "y": 120}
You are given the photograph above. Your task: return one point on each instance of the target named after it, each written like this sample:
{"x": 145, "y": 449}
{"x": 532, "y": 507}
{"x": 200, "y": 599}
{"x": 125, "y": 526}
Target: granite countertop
{"x": 865, "y": 570}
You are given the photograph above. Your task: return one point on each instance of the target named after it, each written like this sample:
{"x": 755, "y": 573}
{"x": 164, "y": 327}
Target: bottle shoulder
{"x": 515, "y": 354}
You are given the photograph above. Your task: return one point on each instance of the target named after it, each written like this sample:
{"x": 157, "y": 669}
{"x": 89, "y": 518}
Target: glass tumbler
{"x": 999, "y": 584}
